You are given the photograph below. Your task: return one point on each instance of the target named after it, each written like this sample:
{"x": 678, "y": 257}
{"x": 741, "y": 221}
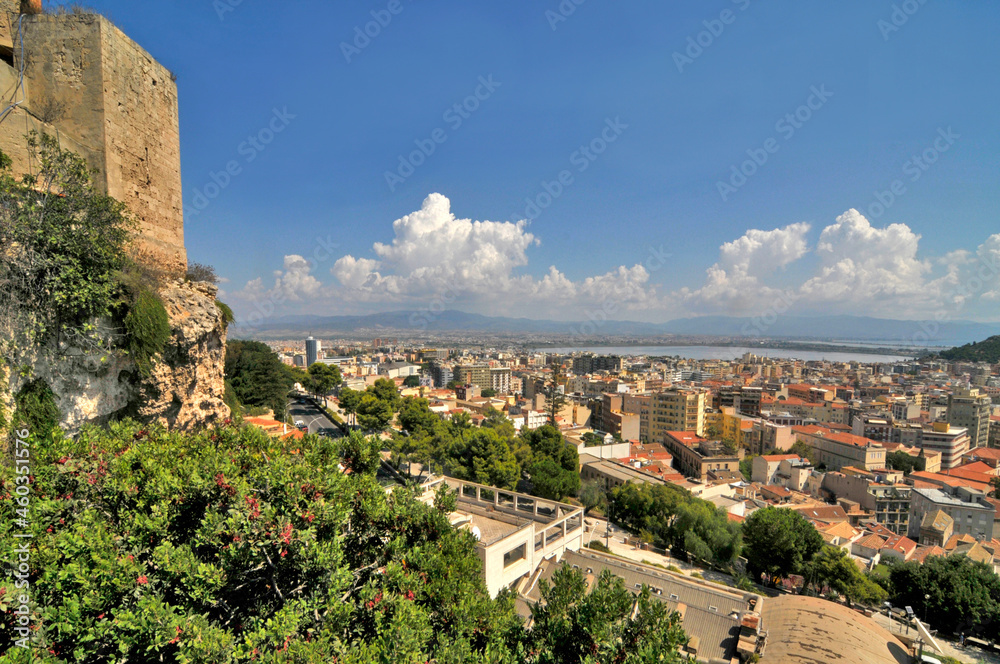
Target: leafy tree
{"x": 257, "y": 376}
{"x": 996, "y": 485}
{"x": 964, "y": 595}
{"x": 349, "y": 400}
{"x": 323, "y": 378}
{"x": 551, "y": 481}
{"x": 64, "y": 250}
{"x": 833, "y": 568}
{"x": 555, "y": 400}
{"x": 778, "y": 542}
{"x": 746, "y": 467}
{"x": 801, "y": 448}
{"x": 411, "y": 381}
{"x": 373, "y": 413}
{"x": 593, "y": 497}
{"x": 900, "y": 460}
{"x": 609, "y": 624}
{"x": 415, "y": 416}
{"x": 488, "y": 392}
{"x": 668, "y": 513}
{"x": 452, "y": 384}
{"x": 361, "y": 454}
{"x": 385, "y": 390}
{"x": 554, "y": 465}
{"x": 488, "y": 459}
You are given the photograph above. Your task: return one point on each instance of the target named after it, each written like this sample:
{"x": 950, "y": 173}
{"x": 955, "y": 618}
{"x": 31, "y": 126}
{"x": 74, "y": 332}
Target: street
{"x": 304, "y": 410}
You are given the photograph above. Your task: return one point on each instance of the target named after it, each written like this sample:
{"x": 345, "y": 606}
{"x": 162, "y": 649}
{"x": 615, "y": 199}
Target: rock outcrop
{"x": 186, "y": 387}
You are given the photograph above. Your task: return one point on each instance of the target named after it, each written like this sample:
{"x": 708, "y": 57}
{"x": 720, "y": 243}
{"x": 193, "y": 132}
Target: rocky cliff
{"x": 186, "y": 387}
{"x": 184, "y": 390}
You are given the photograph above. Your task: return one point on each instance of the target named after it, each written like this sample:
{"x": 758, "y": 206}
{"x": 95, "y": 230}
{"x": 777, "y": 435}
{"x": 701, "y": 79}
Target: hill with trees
{"x": 987, "y": 350}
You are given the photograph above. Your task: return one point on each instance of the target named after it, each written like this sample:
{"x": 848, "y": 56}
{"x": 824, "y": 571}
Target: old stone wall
{"x": 109, "y": 100}
{"x": 142, "y": 142}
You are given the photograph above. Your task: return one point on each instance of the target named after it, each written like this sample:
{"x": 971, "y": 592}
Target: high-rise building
{"x": 969, "y": 409}
{"x": 594, "y": 363}
{"x": 500, "y": 379}
{"x": 676, "y": 410}
{"x": 312, "y": 351}
{"x": 474, "y": 374}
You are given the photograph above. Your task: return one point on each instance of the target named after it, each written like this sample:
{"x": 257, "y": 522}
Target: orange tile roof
{"x": 872, "y": 541}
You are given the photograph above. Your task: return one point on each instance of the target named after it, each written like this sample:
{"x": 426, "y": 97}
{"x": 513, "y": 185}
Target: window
{"x": 513, "y": 556}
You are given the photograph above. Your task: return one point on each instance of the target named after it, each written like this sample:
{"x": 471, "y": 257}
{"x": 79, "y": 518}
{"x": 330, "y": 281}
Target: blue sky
{"x": 645, "y": 231}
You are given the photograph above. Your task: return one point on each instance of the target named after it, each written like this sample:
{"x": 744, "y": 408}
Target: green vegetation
{"x": 64, "y": 248}
{"x": 228, "y": 317}
{"x": 492, "y": 454}
{"x": 964, "y": 596}
{"x": 257, "y": 377}
{"x": 322, "y": 379}
{"x": 411, "y": 381}
{"x": 573, "y": 626}
{"x": 673, "y": 518}
{"x": 597, "y": 545}
{"x": 555, "y": 400}
{"x": 147, "y": 330}
{"x": 489, "y": 393}
{"x": 746, "y": 467}
{"x": 833, "y": 568}
{"x": 35, "y": 407}
{"x": 987, "y": 350}
{"x": 900, "y": 460}
{"x": 778, "y": 542}
{"x": 68, "y": 278}
{"x": 227, "y": 546}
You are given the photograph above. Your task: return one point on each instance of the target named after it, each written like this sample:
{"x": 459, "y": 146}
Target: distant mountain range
{"x": 836, "y": 328}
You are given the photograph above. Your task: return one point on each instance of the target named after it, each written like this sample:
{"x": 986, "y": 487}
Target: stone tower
{"x": 107, "y": 99}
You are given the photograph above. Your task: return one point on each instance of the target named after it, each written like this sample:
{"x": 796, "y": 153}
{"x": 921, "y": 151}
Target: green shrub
{"x": 597, "y": 546}
{"x": 35, "y": 407}
{"x": 697, "y": 575}
{"x": 147, "y": 330}
{"x": 227, "y": 313}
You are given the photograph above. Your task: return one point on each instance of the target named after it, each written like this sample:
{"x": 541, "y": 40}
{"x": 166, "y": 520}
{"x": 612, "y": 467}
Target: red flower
{"x": 143, "y": 580}
{"x": 100, "y": 616}
{"x": 286, "y": 533}
{"x": 409, "y": 595}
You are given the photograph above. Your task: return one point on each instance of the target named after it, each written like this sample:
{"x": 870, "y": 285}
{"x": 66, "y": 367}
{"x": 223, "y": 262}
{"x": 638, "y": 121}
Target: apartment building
{"x": 676, "y": 410}
{"x": 969, "y": 508}
{"x": 882, "y": 493}
{"x": 474, "y": 374}
{"x": 951, "y": 442}
{"x": 698, "y": 457}
{"x": 836, "y": 450}
{"x": 500, "y": 379}
{"x": 594, "y": 363}
{"x": 969, "y": 409}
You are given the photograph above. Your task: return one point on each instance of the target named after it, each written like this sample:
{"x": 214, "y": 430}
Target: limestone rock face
{"x": 186, "y": 387}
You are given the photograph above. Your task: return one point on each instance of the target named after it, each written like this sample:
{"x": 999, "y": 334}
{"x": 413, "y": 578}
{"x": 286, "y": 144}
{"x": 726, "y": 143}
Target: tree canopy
{"x": 676, "y": 519}
{"x": 778, "y": 541}
{"x": 964, "y": 595}
{"x": 257, "y": 376}
{"x": 231, "y": 546}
